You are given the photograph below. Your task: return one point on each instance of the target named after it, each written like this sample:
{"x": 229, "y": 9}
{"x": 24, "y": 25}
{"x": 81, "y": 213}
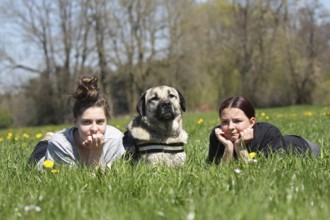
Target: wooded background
{"x": 275, "y": 52}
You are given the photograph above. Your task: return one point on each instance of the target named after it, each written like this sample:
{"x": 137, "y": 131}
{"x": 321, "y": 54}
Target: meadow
{"x": 279, "y": 187}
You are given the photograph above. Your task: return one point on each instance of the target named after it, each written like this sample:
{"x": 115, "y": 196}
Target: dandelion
{"x": 160, "y": 213}
{"x": 237, "y": 171}
{"x": 251, "y": 159}
{"x": 32, "y": 207}
{"x": 117, "y": 126}
{"x": 1, "y": 139}
{"x": 308, "y": 114}
{"x": 267, "y": 117}
{"x": 48, "y": 164}
{"x": 9, "y": 135}
{"x": 191, "y": 215}
{"x": 25, "y": 135}
{"x": 252, "y": 155}
{"x": 263, "y": 114}
{"x": 200, "y": 121}
{"x": 39, "y": 135}
{"x": 55, "y": 171}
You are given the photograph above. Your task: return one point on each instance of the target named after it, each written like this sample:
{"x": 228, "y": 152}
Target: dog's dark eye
{"x": 155, "y": 98}
{"x": 172, "y": 96}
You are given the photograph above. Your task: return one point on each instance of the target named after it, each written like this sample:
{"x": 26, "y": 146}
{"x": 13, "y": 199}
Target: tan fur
{"x": 48, "y": 136}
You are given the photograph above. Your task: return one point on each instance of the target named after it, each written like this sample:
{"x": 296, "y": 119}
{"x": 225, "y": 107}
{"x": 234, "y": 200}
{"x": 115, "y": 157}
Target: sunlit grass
{"x": 279, "y": 187}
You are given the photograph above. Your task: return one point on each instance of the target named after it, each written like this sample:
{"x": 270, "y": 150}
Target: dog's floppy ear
{"x": 182, "y": 101}
{"x": 141, "y": 106}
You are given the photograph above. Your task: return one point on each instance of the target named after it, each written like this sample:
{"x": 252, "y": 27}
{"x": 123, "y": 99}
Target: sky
{"x": 326, "y": 3}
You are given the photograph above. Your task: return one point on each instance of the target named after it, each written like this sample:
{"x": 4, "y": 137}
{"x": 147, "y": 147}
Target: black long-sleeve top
{"x": 267, "y": 138}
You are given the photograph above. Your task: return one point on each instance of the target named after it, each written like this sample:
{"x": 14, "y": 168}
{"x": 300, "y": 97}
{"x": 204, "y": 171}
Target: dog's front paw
{"x": 167, "y": 159}
{"x": 179, "y": 159}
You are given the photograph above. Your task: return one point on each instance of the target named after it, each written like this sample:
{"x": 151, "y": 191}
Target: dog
{"x": 156, "y": 135}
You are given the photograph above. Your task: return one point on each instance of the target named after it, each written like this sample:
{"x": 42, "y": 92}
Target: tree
{"x": 304, "y": 45}
{"x": 58, "y": 31}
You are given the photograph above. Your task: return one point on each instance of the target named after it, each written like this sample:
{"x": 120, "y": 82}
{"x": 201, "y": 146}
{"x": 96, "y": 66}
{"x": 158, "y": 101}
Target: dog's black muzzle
{"x": 165, "y": 111}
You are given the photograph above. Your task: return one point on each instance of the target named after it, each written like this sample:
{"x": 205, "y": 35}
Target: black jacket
{"x": 267, "y": 138}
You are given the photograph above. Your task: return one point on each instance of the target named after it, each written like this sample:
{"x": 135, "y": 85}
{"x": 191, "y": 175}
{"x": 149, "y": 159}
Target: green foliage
{"x": 6, "y": 119}
{"x": 280, "y": 187}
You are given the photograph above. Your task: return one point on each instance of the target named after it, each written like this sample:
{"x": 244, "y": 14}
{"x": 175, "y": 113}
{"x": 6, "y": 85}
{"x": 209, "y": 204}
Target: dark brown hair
{"x": 239, "y": 102}
{"x": 87, "y": 95}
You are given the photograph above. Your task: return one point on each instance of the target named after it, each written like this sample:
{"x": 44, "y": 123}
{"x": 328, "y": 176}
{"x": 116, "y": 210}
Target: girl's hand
{"x": 220, "y": 136}
{"x": 246, "y": 135}
{"x": 229, "y": 146}
{"x": 94, "y": 141}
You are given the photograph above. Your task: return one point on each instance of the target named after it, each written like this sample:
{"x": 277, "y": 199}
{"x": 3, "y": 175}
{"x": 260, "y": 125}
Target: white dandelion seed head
{"x": 32, "y": 208}
{"x": 237, "y": 171}
{"x": 191, "y": 215}
{"x": 160, "y": 213}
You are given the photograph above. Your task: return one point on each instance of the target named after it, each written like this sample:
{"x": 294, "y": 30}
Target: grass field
{"x": 281, "y": 187}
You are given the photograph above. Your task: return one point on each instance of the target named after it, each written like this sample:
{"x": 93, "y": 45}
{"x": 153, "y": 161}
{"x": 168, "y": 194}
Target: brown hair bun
{"x": 87, "y": 90}
{"x": 87, "y": 95}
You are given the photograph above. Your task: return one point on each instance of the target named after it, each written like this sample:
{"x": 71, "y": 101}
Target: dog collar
{"x": 160, "y": 147}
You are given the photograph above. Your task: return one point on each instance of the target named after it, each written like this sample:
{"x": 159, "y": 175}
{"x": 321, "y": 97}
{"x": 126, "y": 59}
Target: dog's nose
{"x": 167, "y": 104}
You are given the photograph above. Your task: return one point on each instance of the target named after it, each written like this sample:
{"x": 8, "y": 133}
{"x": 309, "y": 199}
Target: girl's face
{"x": 92, "y": 121}
{"x": 234, "y": 121}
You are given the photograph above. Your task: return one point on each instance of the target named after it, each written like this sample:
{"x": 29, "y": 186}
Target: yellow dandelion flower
{"x": 263, "y": 114}
{"x": 48, "y": 164}
{"x": 267, "y": 117}
{"x": 200, "y": 121}
{"x": 252, "y": 155}
{"x": 309, "y": 114}
{"x": 117, "y": 126}
{"x": 16, "y": 138}
{"x": 54, "y": 171}
{"x": 39, "y": 135}
{"x": 25, "y": 135}
{"x": 1, "y": 139}
{"x": 9, "y": 135}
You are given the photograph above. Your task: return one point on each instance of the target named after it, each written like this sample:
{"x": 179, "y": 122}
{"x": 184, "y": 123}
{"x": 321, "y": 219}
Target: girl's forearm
{"x": 227, "y": 156}
{"x": 241, "y": 151}
{"x": 94, "y": 157}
